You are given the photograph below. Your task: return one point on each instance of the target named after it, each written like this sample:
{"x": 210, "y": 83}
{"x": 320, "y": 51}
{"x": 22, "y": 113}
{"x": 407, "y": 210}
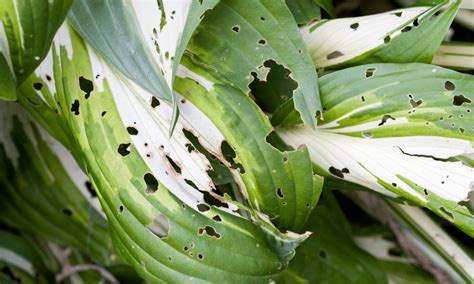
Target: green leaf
{"x": 327, "y": 6}
{"x": 393, "y": 128}
{"x": 304, "y": 11}
{"x": 143, "y": 39}
{"x": 26, "y": 31}
{"x": 237, "y": 38}
{"x": 151, "y": 202}
{"x": 28, "y": 260}
{"x": 277, "y": 182}
{"x": 32, "y": 164}
{"x": 399, "y": 36}
{"x": 7, "y": 82}
{"x": 330, "y": 255}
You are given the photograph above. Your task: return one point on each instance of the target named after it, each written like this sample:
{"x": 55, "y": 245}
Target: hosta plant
{"x": 234, "y": 141}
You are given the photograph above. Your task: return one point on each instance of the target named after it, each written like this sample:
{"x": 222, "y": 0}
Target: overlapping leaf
{"x": 160, "y": 222}
{"x": 26, "y": 31}
{"x": 403, "y": 35}
{"x": 330, "y": 255}
{"x": 143, "y": 39}
{"x": 41, "y": 187}
{"x": 278, "y": 183}
{"x": 236, "y": 40}
{"x": 393, "y": 128}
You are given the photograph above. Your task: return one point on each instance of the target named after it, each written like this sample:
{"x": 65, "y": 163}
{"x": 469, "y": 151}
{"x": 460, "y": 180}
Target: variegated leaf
{"x": 143, "y": 39}
{"x": 153, "y": 191}
{"x": 44, "y": 191}
{"x": 239, "y": 39}
{"x": 26, "y": 31}
{"x": 393, "y": 129}
{"x": 399, "y": 36}
{"x": 277, "y": 182}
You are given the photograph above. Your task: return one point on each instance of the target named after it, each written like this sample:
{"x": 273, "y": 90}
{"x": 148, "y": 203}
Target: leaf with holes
{"x": 395, "y": 128}
{"x": 143, "y": 39}
{"x": 237, "y": 39}
{"x": 399, "y": 36}
{"x": 277, "y": 182}
{"x": 26, "y": 31}
{"x": 154, "y": 192}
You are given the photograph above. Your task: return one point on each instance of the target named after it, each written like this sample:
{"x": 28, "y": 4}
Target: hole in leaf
{"x": 230, "y": 155}
{"x": 121, "y": 209}
{"x": 395, "y": 251}
{"x": 123, "y": 149}
{"x": 337, "y": 172}
{"x": 278, "y": 86}
{"x": 217, "y": 218}
{"x": 151, "y": 183}
{"x": 86, "y": 86}
{"x": 406, "y": 29}
{"x": 334, "y": 54}
{"x": 208, "y": 198}
{"x": 413, "y": 102}
{"x": 90, "y": 189}
{"x": 460, "y": 100}
{"x": 203, "y": 207}
{"x": 154, "y": 102}
{"x": 103, "y": 113}
{"x": 210, "y": 231}
{"x": 75, "y": 107}
{"x": 66, "y": 211}
{"x": 386, "y": 39}
{"x": 370, "y": 72}
{"x": 262, "y": 42}
{"x": 398, "y": 14}
{"x": 449, "y": 86}
{"x": 236, "y": 29}
{"x": 280, "y": 193}
{"x": 176, "y": 168}
{"x": 354, "y": 26}
{"x": 37, "y": 86}
{"x": 385, "y": 118}
{"x": 132, "y": 130}
{"x": 322, "y": 254}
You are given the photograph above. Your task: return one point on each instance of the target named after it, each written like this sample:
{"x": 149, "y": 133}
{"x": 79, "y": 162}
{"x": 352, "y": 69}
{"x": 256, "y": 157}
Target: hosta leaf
{"x": 304, "y": 11}
{"x": 330, "y": 255}
{"x": 278, "y": 183}
{"x": 32, "y": 165}
{"x": 237, "y": 39}
{"x": 160, "y": 223}
{"x": 24, "y": 259}
{"x": 399, "y": 36}
{"x": 143, "y": 39}
{"x": 26, "y": 31}
{"x": 393, "y": 128}
{"x": 455, "y": 55}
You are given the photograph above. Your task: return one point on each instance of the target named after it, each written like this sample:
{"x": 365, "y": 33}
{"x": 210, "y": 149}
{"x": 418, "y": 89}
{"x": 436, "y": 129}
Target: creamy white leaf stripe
{"x": 152, "y": 124}
{"x": 354, "y": 36}
{"x": 368, "y": 160}
{"x": 148, "y": 15}
{"x": 17, "y": 260}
